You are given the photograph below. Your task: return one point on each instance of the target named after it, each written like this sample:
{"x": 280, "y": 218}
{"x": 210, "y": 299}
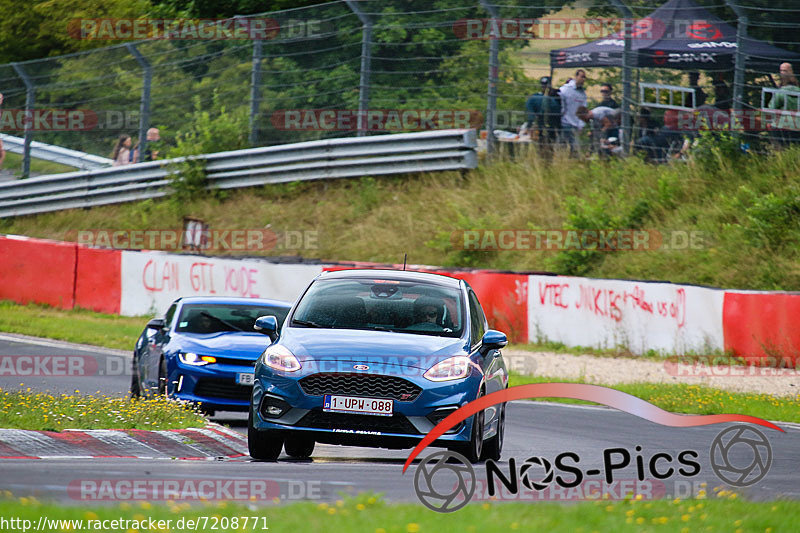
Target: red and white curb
{"x": 207, "y": 443}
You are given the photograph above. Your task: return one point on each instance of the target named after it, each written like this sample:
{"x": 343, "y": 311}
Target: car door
{"x": 152, "y": 353}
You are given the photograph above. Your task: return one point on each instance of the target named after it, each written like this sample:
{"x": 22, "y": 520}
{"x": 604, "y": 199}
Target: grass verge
{"x": 740, "y": 210}
{"x": 41, "y": 411}
{"x": 368, "y": 514}
{"x": 38, "y": 166}
{"x": 75, "y": 325}
{"x": 692, "y": 399}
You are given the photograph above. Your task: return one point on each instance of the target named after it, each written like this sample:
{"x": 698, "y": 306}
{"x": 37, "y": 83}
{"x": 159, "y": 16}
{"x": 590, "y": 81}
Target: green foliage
{"x": 453, "y": 245}
{"x": 204, "y": 134}
{"x": 714, "y": 150}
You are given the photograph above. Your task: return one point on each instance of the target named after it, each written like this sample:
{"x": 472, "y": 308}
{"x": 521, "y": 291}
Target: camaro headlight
{"x": 452, "y": 368}
{"x": 280, "y": 358}
{"x": 193, "y": 359}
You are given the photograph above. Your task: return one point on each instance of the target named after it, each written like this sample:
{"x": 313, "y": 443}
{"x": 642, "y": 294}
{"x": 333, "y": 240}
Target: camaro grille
{"x": 396, "y": 423}
{"x": 224, "y": 388}
{"x": 370, "y": 385}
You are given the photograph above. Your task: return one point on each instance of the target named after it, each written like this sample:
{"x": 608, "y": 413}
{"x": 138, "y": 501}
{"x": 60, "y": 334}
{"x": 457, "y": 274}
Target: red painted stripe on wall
{"x": 97, "y": 283}
{"x": 762, "y": 324}
{"x": 37, "y": 270}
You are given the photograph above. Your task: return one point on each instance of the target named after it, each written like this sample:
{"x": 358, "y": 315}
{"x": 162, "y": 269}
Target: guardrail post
{"x": 144, "y": 108}
{"x": 366, "y": 66}
{"x": 494, "y": 66}
{"x": 626, "y": 75}
{"x": 30, "y": 99}
{"x": 255, "y": 93}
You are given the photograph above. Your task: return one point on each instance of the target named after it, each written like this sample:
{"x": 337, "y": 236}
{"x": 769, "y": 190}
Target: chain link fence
{"x": 364, "y": 67}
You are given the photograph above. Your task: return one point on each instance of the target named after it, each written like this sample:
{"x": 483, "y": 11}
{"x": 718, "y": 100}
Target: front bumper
{"x": 214, "y": 385}
{"x": 412, "y": 419}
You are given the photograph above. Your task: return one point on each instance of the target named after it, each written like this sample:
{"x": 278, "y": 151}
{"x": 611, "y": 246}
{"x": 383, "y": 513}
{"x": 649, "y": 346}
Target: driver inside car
{"x": 428, "y": 310}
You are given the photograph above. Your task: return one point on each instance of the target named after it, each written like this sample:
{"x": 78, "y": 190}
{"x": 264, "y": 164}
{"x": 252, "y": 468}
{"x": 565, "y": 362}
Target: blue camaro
{"x": 377, "y": 358}
{"x": 203, "y": 351}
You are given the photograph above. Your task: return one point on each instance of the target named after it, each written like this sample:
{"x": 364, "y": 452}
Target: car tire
{"x": 136, "y": 387}
{"x": 493, "y": 447}
{"x": 472, "y": 450}
{"x": 299, "y": 446}
{"x": 162, "y": 377}
{"x": 263, "y": 445}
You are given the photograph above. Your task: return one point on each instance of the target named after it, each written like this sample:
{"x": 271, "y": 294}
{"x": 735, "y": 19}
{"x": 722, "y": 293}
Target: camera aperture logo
{"x": 446, "y": 481}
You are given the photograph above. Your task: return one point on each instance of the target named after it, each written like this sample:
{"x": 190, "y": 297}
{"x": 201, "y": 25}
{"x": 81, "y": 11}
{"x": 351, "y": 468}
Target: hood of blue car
{"x": 233, "y": 344}
{"x": 404, "y": 349}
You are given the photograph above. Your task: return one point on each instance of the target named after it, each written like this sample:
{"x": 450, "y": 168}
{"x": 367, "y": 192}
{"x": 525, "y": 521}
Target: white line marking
{"x": 50, "y": 343}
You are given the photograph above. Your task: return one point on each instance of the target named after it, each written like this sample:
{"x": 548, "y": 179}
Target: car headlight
{"x": 280, "y": 358}
{"x": 193, "y": 359}
{"x": 452, "y": 368}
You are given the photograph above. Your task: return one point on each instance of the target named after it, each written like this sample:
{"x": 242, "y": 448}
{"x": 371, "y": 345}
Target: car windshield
{"x": 216, "y": 318}
{"x": 382, "y": 305}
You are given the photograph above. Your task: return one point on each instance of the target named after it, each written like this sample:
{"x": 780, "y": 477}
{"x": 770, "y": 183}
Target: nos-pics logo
{"x": 445, "y": 481}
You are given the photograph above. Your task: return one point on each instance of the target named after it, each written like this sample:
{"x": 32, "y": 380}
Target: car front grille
{"x": 369, "y": 385}
{"x": 396, "y": 423}
{"x": 222, "y": 388}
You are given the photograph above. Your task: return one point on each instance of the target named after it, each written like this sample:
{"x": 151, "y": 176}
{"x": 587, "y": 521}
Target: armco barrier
{"x": 576, "y": 311}
{"x": 762, "y": 324}
{"x": 375, "y": 155}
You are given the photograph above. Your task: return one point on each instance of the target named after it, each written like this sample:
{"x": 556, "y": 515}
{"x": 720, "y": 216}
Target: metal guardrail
{"x": 56, "y": 154}
{"x": 377, "y": 155}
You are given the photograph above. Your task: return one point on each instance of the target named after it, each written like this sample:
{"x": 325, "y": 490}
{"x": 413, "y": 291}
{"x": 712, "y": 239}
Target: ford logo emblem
{"x": 361, "y": 367}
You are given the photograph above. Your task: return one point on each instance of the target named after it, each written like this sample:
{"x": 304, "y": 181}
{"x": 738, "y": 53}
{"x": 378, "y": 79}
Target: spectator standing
{"x": 608, "y": 100}
{"x": 788, "y": 84}
{"x": 573, "y": 96}
{"x": 786, "y": 98}
{"x": 542, "y": 108}
{"x": 122, "y": 151}
{"x": 153, "y": 138}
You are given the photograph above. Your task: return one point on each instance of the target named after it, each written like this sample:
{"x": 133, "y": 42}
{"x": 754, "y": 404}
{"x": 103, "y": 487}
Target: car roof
{"x": 399, "y": 275}
{"x": 233, "y": 300}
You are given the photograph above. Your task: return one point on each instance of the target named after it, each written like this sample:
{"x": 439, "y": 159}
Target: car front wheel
{"x": 263, "y": 445}
{"x": 493, "y": 447}
{"x": 473, "y": 448}
{"x": 299, "y": 446}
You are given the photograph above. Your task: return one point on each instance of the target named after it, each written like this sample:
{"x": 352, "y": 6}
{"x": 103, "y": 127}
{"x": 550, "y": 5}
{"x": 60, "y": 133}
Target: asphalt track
{"x": 532, "y": 429}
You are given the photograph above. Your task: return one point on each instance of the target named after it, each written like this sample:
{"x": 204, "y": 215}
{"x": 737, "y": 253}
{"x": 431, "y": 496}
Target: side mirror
{"x": 493, "y": 340}
{"x": 268, "y": 325}
{"x": 156, "y": 323}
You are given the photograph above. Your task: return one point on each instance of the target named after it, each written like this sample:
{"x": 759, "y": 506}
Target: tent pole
{"x": 626, "y": 75}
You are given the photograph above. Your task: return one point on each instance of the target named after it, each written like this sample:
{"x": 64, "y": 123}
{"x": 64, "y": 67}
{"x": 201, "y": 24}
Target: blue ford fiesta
{"x": 203, "y": 350}
{"x": 377, "y": 358}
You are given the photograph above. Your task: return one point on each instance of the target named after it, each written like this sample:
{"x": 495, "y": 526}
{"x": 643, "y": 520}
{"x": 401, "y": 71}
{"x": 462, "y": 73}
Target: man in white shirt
{"x": 573, "y": 96}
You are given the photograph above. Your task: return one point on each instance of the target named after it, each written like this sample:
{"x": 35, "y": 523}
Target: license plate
{"x": 357, "y": 405}
{"x": 245, "y": 378}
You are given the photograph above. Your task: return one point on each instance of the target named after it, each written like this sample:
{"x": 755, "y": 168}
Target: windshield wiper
{"x": 307, "y": 323}
{"x": 224, "y": 322}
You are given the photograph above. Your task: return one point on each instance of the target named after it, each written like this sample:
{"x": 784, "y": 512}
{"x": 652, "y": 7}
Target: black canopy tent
{"x": 678, "y": 35}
